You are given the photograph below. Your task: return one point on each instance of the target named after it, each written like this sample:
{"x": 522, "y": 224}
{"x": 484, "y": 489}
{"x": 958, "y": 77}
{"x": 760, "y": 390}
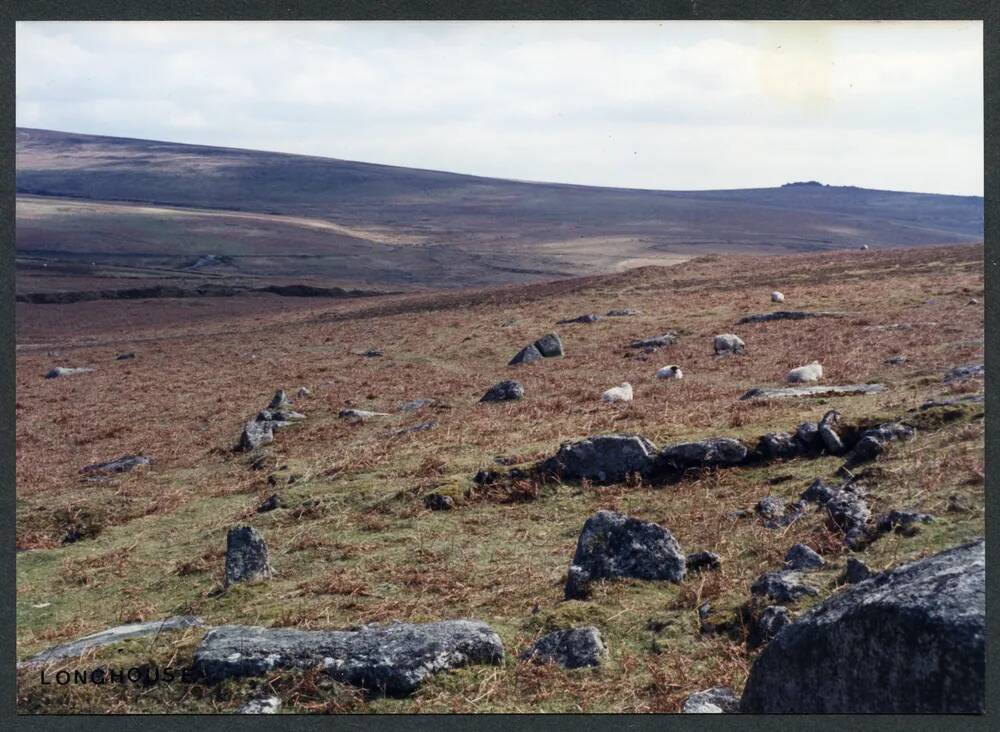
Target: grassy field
{"x": 354, "y": 543}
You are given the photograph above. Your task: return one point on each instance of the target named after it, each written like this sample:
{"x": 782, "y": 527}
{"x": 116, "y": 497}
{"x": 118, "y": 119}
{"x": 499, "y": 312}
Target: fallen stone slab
{"x": 656, "y": 342}
{"x": 712, "y": 452}
{"x": 389, "y": 659}
{"x": 965, "y": 399}
{"x": 114, "y": 635}
{"x": 419, "y": 427}
{"x": 621, "y": 313}
{"x": 124, "y": 464}
{"x": 602, "y": 458}
{"x": 507, "y": 390}
{"x": 786, "y": 315}
{"x": 788, "y": 392}
{"x": 59, "y": 371}
{"x": 784, "y": 585}
{"x": 246, "y": 556}
{"x": 255, "y": 434}
{"x": 588, "y": 318}
{"x": 908, "y": 641}
{"x": 569, "y": 648}
{"x": 125, "y": 356}
{"x": 360, "y": 415}
{"x": 614, "y": 546}
{"x": 414, "y": 404}
{"x": 718, "y": 700}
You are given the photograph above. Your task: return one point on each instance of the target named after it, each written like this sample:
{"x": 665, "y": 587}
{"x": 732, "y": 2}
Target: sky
{"x": 680, "y": 105}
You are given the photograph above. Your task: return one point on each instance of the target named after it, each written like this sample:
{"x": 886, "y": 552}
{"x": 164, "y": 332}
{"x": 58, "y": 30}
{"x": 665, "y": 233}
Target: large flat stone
{"x": 812, "y": 391}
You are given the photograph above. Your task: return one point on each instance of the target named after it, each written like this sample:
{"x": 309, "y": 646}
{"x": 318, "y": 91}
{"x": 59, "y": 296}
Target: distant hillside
{"x": 92, "y": 206}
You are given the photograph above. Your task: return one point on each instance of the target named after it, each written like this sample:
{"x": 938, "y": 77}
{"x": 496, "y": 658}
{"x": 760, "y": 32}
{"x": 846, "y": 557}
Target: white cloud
{"x": 665, "y": 105}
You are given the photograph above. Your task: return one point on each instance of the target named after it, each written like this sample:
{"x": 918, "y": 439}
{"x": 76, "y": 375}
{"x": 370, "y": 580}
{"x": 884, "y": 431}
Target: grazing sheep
{"x": 777, "y": 297}
{"x": 728, "y": 343}
{"x": 621, "y": 393}
{"x": 803, "y": 374}
{"x": 670, "y": 372}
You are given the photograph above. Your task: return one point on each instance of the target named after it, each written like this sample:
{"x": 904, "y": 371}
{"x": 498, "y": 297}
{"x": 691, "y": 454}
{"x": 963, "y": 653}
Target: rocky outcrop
{"x": 719, "y": 700}
{"x": 908, "y": 641}
{"x": 601, "y": 459}
{"x": 569, "y": 648}
{"x": 390, "y": 659}
{"x": 613, "y": 546}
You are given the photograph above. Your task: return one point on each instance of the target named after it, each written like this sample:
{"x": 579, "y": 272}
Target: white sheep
{"x": 621, "y": 393}
{"x": 727, "y": 343}
{"x": 777, "y": 297}
{"x": 670, "y": 372}
{"x": 804, "y": 374}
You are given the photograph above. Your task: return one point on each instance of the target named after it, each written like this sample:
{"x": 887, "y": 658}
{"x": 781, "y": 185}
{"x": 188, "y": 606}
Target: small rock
{"x": 702, "y": 561}
{"x": 279, "y": 400}
{"x": 784, "y": 585}
{"x": 414, "y": 404}
{"x": 857, "y": 571}
{"x": 770, "y": 507}
{"x": 124, "y": 464}
{"x": 270, "y": 503}
{"x": 268, "y": 705}
{"x": 614, "y": 546}
{"x": 528, "y": 354}
{"x": 125, "y": 356}
{"x": 303, "y": 393}
{"x": 802, "y": 557}
{"x": 589, "y": 318}
{"x": 718, "y": 700}
{"x": 969, "y": 371}
{"x": 246, "y": 556}
{"x": 779, "y": 446}
{"x": 549, "y": 346}
{"x": 972, "y": 301}
{"x": 767, "y": 626}
{"x": 66, "y": 371}
{"x": 569, "y": 648}
{"x": 372, "y": 353}
{"x": 255, "y": 434}
{"x": 507, "y": 390}
{"x": 902, "y": 522}
{"x": 850, "y": 513}
{"x": 818, "y": 492}
{"x": 728, "y": 343}
{"x": 438, "y": 502}
{"x": 807, "y": 436}
{"x": 957, "y": 504}
{"x": 896, "y": 361}
{"x": 622, "y": 313}
{"x": 656, "y": 342}
{"x": 831, "y": 440}
{"x": 360, "y": 415}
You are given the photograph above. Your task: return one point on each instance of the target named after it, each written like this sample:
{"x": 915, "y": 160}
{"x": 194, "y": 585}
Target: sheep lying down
{"x": 670, "y": 372}
{"x": 777, "y": 297}
{"x": 805, "y": 374}
{"x": 621, "y": 393}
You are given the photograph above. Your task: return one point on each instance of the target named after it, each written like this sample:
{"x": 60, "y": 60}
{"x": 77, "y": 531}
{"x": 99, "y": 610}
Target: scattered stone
{"x": 718, "y": 700}
{"x": 779, "y": 446}
{"x": 807, "y": 435}
{"x": 972, "y": 301}
{"x": 622, "y": 313}
{"x": 255, "y": 434}
{"x": 279, "y": 401}
{"x": 360, "y": 415}
{"x": 708, "y": 453}
{"x": 420, "y": 427}
{"x": 908, "y": 641}
{"x": 770, "y": 507}
{"x": 899, "y": 326}
{"x": 392, "y": 659}
{"x": 784, "y": 315}
{"x": 827, "y": 433}
{"x": 702, "y": 561}
{"x": 902, "y": 522}
{"x": 372, "y": 353}
{"x": 303, "y": 393}
{"x": 549, "y": 346}
{"x": 246, "y": 556}
{"x": 849, "y": 512}
{"x": 728, "y": 343}
{"x": 613, "y": 546}
{"x": 438, "y": 502}
{"x": 656, "y": 342}
{"x": 802, "y": 557}
{"x": 270, "y": 503}
{"x": 569, "y": 648}
{"x": 602, "y": 459}
{"x": 969, "y": 371}
{"x": 67, "y": 371}
{"x": 896, "y": 361}
{"x": 872, "y": 442}
{"x": 507, "y": 390}
{"x": 528, "y": 354}
{"x": 964, "y": 399}
{"x": 785, "y": 585}
{"x": 414, "y": 404}
{"x": 857, "y": 571}
{"x": 124, "y": 464}
{"x": 279, "y": 417}
{"x": 818, "y": 492}
{"x": 125, "y": 356}
{"x": 775, "y": 515}
{"x": 267, "y": 705}
{"x": 767, "y": 626}
{"x": 957, "y": 504}
{"x": 113, "y": 635}
{"x": 812, "y": 391}
{"x": 589, "y": 318}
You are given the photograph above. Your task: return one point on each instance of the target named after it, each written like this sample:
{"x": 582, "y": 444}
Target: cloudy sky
{"x": 672, "y": 105}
